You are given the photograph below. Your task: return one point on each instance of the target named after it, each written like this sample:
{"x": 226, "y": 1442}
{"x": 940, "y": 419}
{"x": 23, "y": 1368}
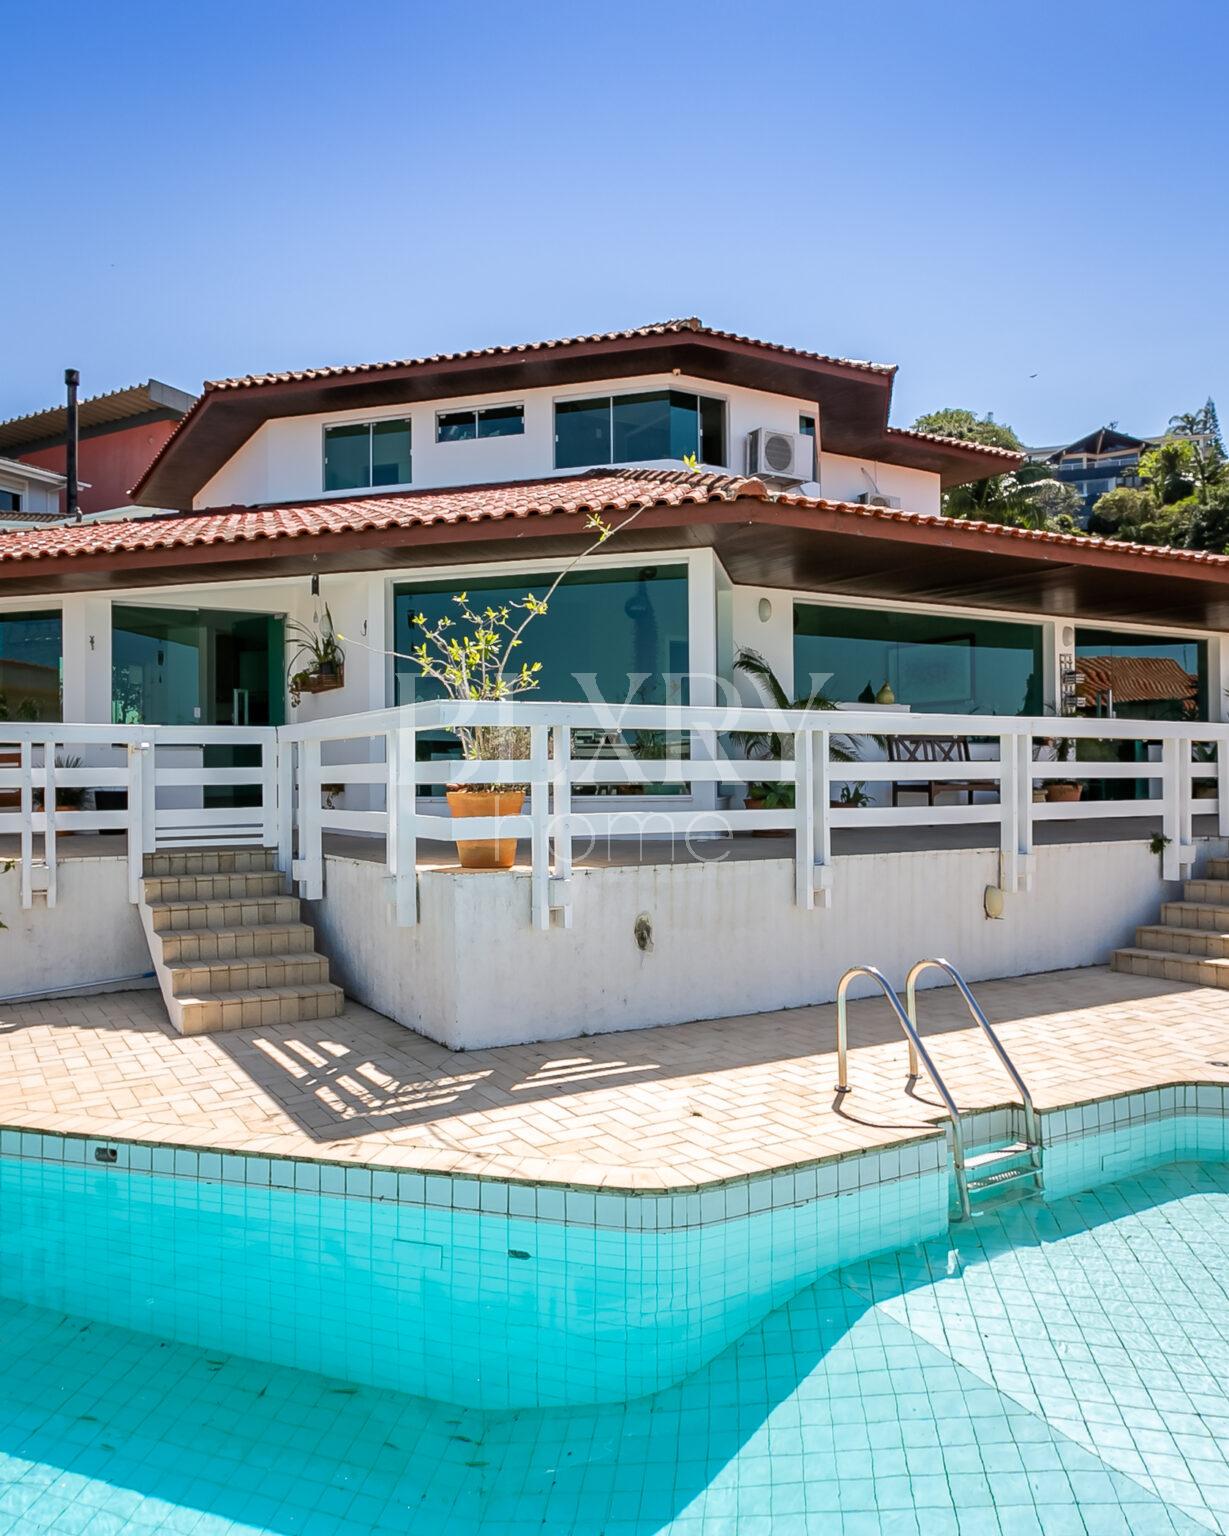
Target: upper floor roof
{"x": 111, "y": 412}
{"x": 853, "y": 397}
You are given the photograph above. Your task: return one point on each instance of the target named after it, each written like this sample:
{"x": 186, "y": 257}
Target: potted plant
{"x": 1203, "y": 752}
{"x": 769, "y": 745}
{"x": 1063, "y": 790}
{"x": 67, "y": 798}
{"x": 325, "y": 660}
{"x": 472, "y": 658}
{"x": 852, "y": 795}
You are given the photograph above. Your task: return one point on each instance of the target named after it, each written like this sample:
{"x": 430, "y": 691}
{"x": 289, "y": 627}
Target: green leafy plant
{"x": 322, "y": 652}
{"x": 853, "y": 794}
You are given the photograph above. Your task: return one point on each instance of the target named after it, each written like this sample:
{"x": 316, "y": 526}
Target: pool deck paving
{"x": 642, "y": 1110}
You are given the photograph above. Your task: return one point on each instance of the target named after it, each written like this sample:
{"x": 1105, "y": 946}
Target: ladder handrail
{"x": 1009, "y": 1066}
{"x": 916, "y": 1050}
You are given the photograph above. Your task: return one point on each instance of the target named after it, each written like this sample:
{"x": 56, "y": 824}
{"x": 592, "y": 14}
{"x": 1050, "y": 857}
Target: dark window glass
{"x": 619, "y": 636}
{"x": 712, "y": 431}
{"x": 195, "y": 666}
{"x": 806, "y": 425}
{"x": 932, "y": 663}
{"x": 1138, "y": 677}
{"x": 582, "y": 433}
{"x": 347, "y": 457}
{"x": 455, "y": 427}
{"x": 30, "y": 666}
{"x": 501, "y": 421}
{"x": 10, "y": 501}
{"x": 390, "y": 453}
{"x": 644, "y": 426}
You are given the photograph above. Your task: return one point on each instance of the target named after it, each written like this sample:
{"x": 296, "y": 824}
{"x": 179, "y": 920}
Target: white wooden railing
{"x": 562, "y": 808}
{"x": 138, "y": 761}
{"x": 391, "y": 795}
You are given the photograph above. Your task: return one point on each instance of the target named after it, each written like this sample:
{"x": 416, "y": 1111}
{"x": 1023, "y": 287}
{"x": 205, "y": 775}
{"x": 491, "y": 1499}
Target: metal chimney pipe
{"x": 72, "y": 378}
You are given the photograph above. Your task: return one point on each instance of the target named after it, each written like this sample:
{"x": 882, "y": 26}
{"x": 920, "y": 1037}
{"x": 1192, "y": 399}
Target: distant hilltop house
{"x": 118, "y": 434}
{"x": 1099, "y": 462}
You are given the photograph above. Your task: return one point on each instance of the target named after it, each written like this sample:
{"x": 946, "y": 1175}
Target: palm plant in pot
{"x": 770, "y": 745}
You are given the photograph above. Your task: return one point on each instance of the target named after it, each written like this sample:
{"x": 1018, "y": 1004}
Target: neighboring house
{"x": 28, "y": 496}
{"x": 118, "y": 434}
{"x": 1096, "y": 464}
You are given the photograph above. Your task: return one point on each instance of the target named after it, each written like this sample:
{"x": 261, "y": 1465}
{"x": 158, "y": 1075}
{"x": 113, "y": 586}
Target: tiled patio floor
{"x": 646, "y": 1109}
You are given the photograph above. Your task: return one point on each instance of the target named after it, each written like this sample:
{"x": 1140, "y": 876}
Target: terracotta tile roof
{"x": 1137, "y": 679}
{"x": 608, "y": 492}
{"x": 1016, "y": 455}
{"x": 660, "y": 328}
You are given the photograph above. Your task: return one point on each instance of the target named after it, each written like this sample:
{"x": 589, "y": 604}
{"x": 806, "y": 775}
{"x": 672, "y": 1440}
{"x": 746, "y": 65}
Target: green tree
{"x": 990, "y": 500}
{"x": 953, "y": 421}
{"x": 1135, "y": 515}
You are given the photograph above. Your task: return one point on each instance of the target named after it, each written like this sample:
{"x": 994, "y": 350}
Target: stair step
{"x": 184, "y": 946}
{"x": 243, "y": 912}
{"x": 1208, "y": 915}
{"x": 1203, "y": 942}
{"x": 211, "y": 1012}
{"x": 211, "y": 887}
{"x": 210, "y": 861}
{"x": 1217, "y": 869}
{"x": 256, "y": 973}
{"x": 1203, "y": 889}
{"x": 1198, "y": 970}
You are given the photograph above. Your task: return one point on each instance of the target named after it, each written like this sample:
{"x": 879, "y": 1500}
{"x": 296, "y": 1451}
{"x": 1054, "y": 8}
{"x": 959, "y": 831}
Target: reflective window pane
{"x": 390, "y": 453}
{"x": 712, "y": 432}
{"x": 582, "y": 433}
{"x": 347, "y": 456}
{"x": 931, "y": 663}
{"x": 641, "y": 427}
{"x": 455, "y": 427}
{"x": 501, "y": 421}
{"x": 30, "y": 666}
{"x": 1141, "y": 677}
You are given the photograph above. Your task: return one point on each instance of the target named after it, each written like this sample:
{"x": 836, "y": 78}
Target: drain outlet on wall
{"x": 642, "y": 929}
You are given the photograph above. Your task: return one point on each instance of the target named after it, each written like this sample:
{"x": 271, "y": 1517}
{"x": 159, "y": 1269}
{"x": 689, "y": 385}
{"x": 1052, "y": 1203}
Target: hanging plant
{"x": 325, "y": 667}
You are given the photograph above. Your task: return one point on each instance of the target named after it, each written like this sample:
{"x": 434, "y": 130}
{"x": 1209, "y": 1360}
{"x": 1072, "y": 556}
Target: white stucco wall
{"x": 92, "y": 934}
{"x": 283, "y": 460}
{"x": 728, "y": 938}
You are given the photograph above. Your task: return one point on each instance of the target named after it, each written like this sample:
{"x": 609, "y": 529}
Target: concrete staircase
{"x": 228, "y": 945}
{"x": 1191, "y": 941}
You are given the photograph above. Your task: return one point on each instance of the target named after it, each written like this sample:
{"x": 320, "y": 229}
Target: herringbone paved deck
{"x": 645, "y": 1109}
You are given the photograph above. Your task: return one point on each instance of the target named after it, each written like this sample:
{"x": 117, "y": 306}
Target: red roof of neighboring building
{"x": 1137, "y": 679}
{"x": 597, "y": 491}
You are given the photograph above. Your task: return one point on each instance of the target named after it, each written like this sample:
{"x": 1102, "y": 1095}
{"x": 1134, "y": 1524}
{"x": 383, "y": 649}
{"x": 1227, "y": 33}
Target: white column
{"x": 702, "y": 660}
{"x": 86, "y": 638}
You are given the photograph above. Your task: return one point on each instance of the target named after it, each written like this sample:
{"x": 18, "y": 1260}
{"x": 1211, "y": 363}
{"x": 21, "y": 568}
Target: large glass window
{"x": 188, "y": 666}
{"x": 31, "y": 648}
{"x": 618, "y": 636}
{"x": 362, "y": 454}
{"x": 625, "y": 429}
{"x": 1141, "y": 677}
{"x": 931, "y": 662}
{"x": 487, "y": 421}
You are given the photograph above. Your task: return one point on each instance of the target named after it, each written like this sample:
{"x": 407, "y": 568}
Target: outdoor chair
{"x": 934, "y": 749}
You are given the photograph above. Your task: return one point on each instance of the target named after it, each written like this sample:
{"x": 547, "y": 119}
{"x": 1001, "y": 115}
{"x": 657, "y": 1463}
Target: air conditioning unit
{"x": 874, "y": 499}
{"x": 780, "y": 455}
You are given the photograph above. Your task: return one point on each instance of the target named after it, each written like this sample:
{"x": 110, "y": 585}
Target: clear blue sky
{"x": 978, "y": 192}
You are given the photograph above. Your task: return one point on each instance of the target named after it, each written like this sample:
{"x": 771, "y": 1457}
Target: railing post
{"x": 270, "y": 830}
{"x": 1009, "y": 814}
{"x": 149, "y": 797}
{"x": 285, "y": 808}
{"x": 821, "y": 821}
{"x": 1222, "y": 785}
{"x": 1186, "y": 834}
{"x": 26, "y": 794}
{"x": 401, "y": 754}
{"x": 561, "y": 823}
{"x": 49, "y": 827}
{"x": 311, "y": 856}
{"x": 1171, "y": 811}
{"x": 1023, "y": 744}
{"x": 539, "y": 811}
{"x": 136, "y": 819}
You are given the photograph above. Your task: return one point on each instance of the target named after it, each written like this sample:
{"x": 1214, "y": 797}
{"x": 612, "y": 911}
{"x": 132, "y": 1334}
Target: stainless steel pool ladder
{"x": 992, "y": 1168}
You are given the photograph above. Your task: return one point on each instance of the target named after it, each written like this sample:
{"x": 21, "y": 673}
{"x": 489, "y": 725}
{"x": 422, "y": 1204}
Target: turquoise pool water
{"x": 1056, "y": 1368}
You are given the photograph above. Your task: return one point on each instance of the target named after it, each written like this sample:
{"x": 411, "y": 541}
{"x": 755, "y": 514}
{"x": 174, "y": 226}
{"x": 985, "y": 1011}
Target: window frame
{"x": 369, "y": 422}
{"x": 476, "y": 411}
{"x": 610, "y": 396}
{"x": 16, "y": 498}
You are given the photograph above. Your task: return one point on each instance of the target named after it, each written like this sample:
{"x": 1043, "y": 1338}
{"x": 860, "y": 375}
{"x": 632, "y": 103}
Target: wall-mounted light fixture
{"x": 764, "y": 609}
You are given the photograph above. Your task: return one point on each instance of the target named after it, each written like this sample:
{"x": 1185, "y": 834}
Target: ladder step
{"x": 1007, "y": 1176}
{"x": 999, "y": 1154}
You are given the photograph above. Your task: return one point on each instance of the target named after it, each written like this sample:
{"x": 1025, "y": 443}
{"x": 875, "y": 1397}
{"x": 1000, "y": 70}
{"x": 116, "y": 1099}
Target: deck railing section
{"x": 567, "y": 807}
{"x": 656, "y": 772}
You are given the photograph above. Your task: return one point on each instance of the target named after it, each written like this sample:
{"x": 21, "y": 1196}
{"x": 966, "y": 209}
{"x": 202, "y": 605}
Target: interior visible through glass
{"x": 31, "y": 666}
{"x": 932, "y": 663}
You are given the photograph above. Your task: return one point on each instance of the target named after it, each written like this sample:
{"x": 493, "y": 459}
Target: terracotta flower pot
{"x": 486, "y": 852}
{"x": 1064, "y": 793}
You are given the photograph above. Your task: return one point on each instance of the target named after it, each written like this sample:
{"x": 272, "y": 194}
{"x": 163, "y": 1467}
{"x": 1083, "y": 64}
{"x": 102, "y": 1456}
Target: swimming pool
{"x": 1048, "y": 1367}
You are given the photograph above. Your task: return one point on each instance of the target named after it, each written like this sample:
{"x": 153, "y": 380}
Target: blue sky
{"x": 979, "y": 192}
